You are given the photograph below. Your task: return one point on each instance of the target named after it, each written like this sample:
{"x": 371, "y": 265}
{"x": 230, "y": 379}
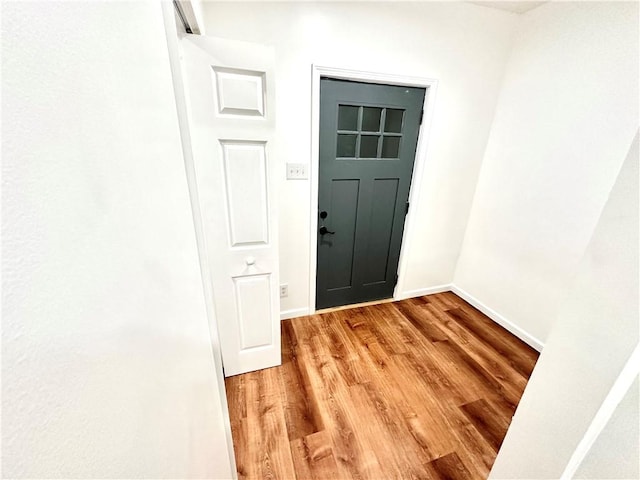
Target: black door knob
{"x": 324, "y": 230}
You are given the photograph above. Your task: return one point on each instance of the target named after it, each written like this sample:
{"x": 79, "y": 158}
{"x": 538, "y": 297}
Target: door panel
{"x": 253, "y": 299}
{"x": 368, "y": 139}
{"x": 385, "y": 192}
{"x": 230, "y": 98}
{"x": 344, "y": 204}
{"x": 246, "y": 192}
{"x": 239, "y": 92}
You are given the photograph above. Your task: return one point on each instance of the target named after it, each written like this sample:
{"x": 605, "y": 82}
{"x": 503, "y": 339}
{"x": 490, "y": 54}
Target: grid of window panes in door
{"x": 368, "y": 132}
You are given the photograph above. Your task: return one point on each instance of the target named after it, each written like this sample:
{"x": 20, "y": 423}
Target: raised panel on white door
{"x": 239, "y": 92}
{"x": 253, "y": 299}
{"x": 245, "y": 168}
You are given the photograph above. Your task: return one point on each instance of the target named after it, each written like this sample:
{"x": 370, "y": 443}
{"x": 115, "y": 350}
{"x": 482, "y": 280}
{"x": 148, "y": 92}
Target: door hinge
{"x": 396, "y": 280}
{"x": 407, "y": 208}
{"x": 421, "y": 115}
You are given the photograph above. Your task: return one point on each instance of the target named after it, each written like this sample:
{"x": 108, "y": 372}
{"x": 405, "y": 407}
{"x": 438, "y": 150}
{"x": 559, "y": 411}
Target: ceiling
{"x": 514, "y": 7}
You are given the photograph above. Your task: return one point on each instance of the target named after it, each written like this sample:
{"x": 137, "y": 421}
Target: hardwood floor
{"x": 422, "y": 388}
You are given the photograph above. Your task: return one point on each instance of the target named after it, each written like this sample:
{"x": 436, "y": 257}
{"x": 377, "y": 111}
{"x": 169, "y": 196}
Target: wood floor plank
{"x": 381, "y": 429}
{"x": 269, "y": 450}
{"x": 236, "y": 398}
{"x": 313, "y": 457}
{"x": 370, "y": 351}
{"x": 428, "y": 421}
{"x": 443, "y": 375}
{"x": 517, "y": 357}
{"x": 348, "y": 360}
{"x": 514, "y": 344}
{"x": 440, "y": 301}
{"x": 239, "y": 431}
{"x": 448, "y": 467}
{"x": 300, "y": 416}
{"x": 393, "y": 419}
{"x": 445, "y": 378}
{"x": 507, "y": 393}
{"x": 385, "y": 387}
{"x": 339, "y": 414}
{"x": 412, "y": 311}
{"x": 491, "y": 425}
{"x": 301, "y": 457}
{"x": 422, "y": 388}
{"x": 394, "y": 340}
{"x": 449, "y": 298}
{"x": 473, "y": 449}
{"x": 474, "y": 349}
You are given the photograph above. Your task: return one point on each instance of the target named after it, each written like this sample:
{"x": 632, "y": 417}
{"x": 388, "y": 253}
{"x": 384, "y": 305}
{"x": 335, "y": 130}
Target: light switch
{"x": 297, "y": 171}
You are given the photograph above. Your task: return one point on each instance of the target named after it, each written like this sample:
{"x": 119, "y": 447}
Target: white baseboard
{"x": 423, "y": 291}
{"x": 489, "y": 312}
{"x": 499, "y": 319}
{"x": 299, "y": 312}
{"x": 293, "y": 313}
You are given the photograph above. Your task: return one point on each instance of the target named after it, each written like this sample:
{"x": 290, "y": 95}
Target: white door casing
{"x": 230, "y": 98}
{"x": 417, "y": 180}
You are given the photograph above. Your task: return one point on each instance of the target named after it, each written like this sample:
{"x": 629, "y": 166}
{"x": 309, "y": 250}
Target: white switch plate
{"x": 284, "y": 290}
{"x": 297, "y": 171}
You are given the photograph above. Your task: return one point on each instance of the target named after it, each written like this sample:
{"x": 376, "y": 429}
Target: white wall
{"x": 567, "y": 112}
{"x": 593, "y": 338}
{"x": 107, "y": 364}
{"x": 463, "y": 46}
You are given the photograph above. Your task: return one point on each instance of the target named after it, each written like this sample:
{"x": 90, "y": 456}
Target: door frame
{"x": 173, "y": 34}
{"x": 430, "y": 85}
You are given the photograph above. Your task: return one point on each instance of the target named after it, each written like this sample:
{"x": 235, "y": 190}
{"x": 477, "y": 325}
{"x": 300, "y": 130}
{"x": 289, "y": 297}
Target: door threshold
{"x": 354, "y": 305}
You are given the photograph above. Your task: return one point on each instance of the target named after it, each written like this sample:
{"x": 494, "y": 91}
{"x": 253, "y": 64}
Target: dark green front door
{"x": 368, "y": 138}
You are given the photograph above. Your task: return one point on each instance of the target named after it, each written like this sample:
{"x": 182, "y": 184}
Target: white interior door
{"x": 230, "y": 97}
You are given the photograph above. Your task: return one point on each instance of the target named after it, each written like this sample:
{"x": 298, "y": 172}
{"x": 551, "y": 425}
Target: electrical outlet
{"x": 284, "y": 290}
{"x": 297, "y": 171}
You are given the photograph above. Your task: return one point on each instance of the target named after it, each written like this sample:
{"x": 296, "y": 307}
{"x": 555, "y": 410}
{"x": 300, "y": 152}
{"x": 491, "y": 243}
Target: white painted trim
{"x": 411, "y": 219}
{"x": 424, "y": 291}
{"x": 173, "y": 49}
{"x": 450, "y": 287}
{"x": 619, "y": 389}
{"x": 499, "y": 319}
{"x": 313, "y": 182}
{"x": 293, "y": 313}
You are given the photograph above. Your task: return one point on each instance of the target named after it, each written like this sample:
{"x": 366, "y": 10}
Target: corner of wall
{"x": 522, "y": 334}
